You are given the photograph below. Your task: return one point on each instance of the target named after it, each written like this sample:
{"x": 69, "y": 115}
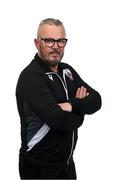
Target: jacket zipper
{"x": 71, "y": 149}
{"x": 66, "y": 91}
{"x": 73, "y": 130}
{"x": 65, "y": 88}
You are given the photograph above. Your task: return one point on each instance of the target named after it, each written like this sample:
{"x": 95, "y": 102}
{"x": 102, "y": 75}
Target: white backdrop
{"x": 93, "y": 49}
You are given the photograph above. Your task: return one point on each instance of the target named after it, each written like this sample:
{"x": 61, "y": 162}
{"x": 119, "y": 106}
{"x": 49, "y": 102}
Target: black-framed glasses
{"x": 49, "y": 42}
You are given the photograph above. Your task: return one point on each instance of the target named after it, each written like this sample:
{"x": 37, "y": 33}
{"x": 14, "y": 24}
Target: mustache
{"x": 54, "y": 52}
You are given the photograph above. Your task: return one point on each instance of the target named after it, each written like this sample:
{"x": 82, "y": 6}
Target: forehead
{"x": 52, "y": 31}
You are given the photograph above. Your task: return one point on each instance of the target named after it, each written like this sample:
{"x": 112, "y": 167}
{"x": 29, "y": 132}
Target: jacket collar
{"x": 45, "y": 66}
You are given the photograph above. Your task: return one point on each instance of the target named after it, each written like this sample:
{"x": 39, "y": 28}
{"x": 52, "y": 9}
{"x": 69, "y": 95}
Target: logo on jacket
{"x": 69, "y": 74}
{"x": 50, "y": 77}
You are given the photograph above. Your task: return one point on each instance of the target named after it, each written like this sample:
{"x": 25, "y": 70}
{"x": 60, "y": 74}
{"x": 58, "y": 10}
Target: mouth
{"x": 55, "y": 53}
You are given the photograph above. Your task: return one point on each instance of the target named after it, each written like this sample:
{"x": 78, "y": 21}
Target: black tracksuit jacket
{"x": 48, "y": 133}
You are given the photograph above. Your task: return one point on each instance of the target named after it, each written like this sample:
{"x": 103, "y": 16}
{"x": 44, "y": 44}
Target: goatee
{"x": 51, "y": 63}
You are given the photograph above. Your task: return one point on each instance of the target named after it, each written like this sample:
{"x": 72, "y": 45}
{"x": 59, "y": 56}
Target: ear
{"x": 37, "y": 43}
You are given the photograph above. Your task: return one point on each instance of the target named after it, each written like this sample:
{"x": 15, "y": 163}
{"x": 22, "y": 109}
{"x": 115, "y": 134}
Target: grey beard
{"x": 51, "y": 63}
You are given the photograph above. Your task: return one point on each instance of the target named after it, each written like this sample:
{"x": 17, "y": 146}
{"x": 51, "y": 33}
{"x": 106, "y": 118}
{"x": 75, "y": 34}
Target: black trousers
{"x": 29, "y": 170}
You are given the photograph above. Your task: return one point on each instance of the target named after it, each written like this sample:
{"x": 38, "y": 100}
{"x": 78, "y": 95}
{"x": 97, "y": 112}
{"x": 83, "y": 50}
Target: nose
{"x": 55, "y": 46}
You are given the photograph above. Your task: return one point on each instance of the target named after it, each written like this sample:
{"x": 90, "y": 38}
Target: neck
{"x": 54, "y": 68}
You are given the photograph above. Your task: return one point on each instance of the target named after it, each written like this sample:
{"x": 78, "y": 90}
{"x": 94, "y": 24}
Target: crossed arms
{"x": 80, "y": 93}
{"x": 33, "y": 90}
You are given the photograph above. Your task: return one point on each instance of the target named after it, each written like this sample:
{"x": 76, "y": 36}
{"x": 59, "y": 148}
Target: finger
{"x": 77, "y": 93}
{"x": 87, "y": 94}
{"x": 84, "y": 92}
{"x": 81, "y": 92}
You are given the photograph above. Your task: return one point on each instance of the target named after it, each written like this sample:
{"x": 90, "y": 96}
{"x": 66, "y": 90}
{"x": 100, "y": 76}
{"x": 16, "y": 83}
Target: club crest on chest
{"x": 69, "y": 74}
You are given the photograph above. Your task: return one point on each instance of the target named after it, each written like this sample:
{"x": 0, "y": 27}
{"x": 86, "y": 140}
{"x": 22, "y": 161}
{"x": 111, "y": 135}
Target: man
{"x": 52, "y": 100}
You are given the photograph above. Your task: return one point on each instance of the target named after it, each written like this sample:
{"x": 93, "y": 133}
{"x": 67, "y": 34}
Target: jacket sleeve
{"x": 88, "y": 105}
{"x": 32, "y": 88}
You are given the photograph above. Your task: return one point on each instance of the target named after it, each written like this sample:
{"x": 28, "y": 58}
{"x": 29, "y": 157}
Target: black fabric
{"x": 38, "y": 92}
{"x": 29, "y": 170}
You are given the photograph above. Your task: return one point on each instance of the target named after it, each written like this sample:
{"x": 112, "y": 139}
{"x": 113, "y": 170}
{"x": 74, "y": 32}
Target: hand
{"x": 66, "y": 106}
{"x": 81, "y": 92}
